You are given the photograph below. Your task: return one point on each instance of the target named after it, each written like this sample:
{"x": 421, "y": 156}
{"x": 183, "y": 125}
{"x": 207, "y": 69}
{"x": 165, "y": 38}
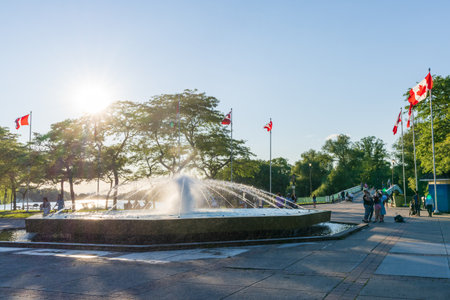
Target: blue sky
{"x": 317, "y": 68}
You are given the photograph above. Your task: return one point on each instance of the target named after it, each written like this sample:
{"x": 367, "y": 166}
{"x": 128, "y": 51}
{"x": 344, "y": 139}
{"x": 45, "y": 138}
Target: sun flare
{"x": 92, "y": 97}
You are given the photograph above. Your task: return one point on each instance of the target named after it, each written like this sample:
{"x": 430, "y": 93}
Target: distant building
{"x": 442, "y": 189}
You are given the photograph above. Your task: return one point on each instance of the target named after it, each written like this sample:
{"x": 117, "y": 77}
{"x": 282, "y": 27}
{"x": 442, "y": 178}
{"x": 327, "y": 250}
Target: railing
{"x": 328, "y": 199}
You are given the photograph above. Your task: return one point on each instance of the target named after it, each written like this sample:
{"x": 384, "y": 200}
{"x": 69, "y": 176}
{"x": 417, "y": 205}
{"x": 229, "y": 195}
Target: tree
{"x": 214, "y": 150}
{"x": 373, "y": 163}
{"x": 198, "y": 142}
{"x": 342, "y": 175}
{"x": 321, "y": 166}
{"x": 256, "y": 173}
{"x": 409, "y": 164}
{"x": 66, "y": 147}
{"x": 121, "y": 127}
{"x": 441, "y": 124}
{"x": 340, "y": 149}
{"x": 14, "y": 162}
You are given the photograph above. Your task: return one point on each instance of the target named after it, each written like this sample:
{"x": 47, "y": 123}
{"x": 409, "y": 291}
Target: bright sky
{"x": 317, "y": 68}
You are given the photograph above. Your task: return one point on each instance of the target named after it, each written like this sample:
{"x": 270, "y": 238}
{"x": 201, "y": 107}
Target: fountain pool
{"x": 182, "y": 210}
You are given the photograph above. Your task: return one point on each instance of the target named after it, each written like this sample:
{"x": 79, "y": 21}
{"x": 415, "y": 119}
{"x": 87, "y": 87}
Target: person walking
{"x": 429, "y": 205}
{"x": 314, "y": 200}
{"x": 279, "y": 201}
{"x": 60, "y": 202}
{"x": 383, "y": 201}
{"x": 46, "y": 206}
{"x": 377, "y": 204}
{"x": 368, "y": 206}
{"x": 416, "y": 204}
{"x": 371, "y": 209}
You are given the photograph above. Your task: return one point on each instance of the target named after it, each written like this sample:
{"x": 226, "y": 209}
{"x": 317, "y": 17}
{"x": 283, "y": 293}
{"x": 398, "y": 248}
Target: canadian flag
{"x": 22, "y": 121}
{"x": 409, "y": 116}
{"x": 419, "y": 92}
{"x": 268, "y": 126}
{"x": 227, "y": 119}
{"x": 399, "y": 119}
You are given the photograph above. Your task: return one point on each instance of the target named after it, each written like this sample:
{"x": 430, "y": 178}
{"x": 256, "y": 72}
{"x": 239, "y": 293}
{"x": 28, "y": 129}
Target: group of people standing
{"x": 288, "y": 201}
{"x": 46, "y": 206}
{"x": 428, "y": 204}
{"x": 375, "y": 203}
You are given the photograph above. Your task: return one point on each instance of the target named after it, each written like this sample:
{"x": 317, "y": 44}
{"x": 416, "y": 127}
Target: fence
{"x": 328, "y": 199}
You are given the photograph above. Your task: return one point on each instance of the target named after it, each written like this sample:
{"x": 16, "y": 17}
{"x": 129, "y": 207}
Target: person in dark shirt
{"x": 416, "y": 204}
{"x": 368, "y": 206}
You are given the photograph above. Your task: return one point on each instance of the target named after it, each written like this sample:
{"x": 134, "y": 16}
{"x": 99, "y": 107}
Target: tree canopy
{"x": 181, "y": 132}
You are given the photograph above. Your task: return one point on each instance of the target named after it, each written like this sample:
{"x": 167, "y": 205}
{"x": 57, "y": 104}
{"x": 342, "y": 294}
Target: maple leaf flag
{"x": 268, "y": 126}
{"x": 409, "y": 117}
{"x": 419, "y": 92}
{"x": 227, "y": 119}
{"x": 22, "y": 121}
{"x": 399, "y": 119}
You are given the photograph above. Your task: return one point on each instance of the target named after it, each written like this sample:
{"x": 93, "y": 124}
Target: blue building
{"x": 443, "y": 192}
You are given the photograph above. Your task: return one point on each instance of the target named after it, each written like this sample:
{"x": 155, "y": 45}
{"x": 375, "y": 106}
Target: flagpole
{"x": 270, "y": 164}
{"x": 403, "y": 158}
{"x": 179, "y": 133}
{"x": 29, "y": 163}
{"x": 436, "y": 210}
{"x": 414, "y": 147}
{"x": 231, "y": 145}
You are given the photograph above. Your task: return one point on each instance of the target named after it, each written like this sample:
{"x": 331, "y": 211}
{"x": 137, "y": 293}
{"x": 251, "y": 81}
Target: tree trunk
{"x": 14, "y": 197}
{"x": 62, "y": 188}
{"x": 13, "y": 192}
{"x": 107, "y": 195}
{"x": 72, "y": 193}
{"x": 116, "y": 187}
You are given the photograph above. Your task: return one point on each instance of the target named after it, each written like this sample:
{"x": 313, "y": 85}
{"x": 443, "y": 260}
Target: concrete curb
{"x": 159, "y": 247}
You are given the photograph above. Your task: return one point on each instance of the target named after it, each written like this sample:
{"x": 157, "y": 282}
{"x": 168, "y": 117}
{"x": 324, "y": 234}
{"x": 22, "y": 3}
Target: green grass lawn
{"x": 17, "y": 214}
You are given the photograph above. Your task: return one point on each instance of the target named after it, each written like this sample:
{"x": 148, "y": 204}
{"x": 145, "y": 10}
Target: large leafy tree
{"x": 214, "y": 150}
{"x": 66, "y": 147}
{"x": 441, "y": 125}
{"x": 409, "y": 164}
{"x": 257, "y": 173}
{"x": 21, "y": 167}
{"x": 311, "y": 171}
{"x": 119, "y": 130}
{"x": 423, "y": 141}
{"x": 342, "y": 175}
{"x": 373, "y": 163}
{"x": 180, "y": 131}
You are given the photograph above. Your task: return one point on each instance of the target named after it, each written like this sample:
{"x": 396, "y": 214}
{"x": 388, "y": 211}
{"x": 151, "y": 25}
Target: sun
{"x": 91, "y": 97}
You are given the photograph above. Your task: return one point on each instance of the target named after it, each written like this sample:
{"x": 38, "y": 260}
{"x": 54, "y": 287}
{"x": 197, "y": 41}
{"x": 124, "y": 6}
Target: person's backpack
{"x": 399, "y": 219}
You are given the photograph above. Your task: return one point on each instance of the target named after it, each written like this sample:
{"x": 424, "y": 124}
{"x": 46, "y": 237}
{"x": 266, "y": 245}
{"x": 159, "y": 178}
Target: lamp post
{"x": 310, "y": 181}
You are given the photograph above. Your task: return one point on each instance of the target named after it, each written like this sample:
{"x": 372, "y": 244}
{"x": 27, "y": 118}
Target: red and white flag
{"x": 409, "y": 116}
{"x": 399, "y": 119}
{"x": 22, "y": 121}
{"x": 227, "y": 119}
{"x": 419, "y": 92}
{"x": 268, "y": 126}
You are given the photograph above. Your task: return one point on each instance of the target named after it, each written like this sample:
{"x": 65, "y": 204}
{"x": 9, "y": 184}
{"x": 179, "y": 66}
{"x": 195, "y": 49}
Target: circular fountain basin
{"x": 142, "y": 227}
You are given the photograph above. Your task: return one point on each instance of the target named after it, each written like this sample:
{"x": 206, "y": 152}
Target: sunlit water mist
{"x": 186, "y": 197}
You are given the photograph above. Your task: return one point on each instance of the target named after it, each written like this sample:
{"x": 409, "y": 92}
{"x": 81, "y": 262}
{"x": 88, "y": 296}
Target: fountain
{"x": 181, "y": 210}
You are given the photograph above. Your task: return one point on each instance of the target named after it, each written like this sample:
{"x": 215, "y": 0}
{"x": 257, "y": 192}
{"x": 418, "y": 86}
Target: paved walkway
{"x": 384, "y": 261}
{"x": 11, "y": 223}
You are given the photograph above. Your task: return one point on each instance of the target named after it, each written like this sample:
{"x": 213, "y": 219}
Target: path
{"x": 384, "y": 261}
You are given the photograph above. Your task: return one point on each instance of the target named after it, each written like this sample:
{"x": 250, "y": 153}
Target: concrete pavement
{"x": 383, "y": 261}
